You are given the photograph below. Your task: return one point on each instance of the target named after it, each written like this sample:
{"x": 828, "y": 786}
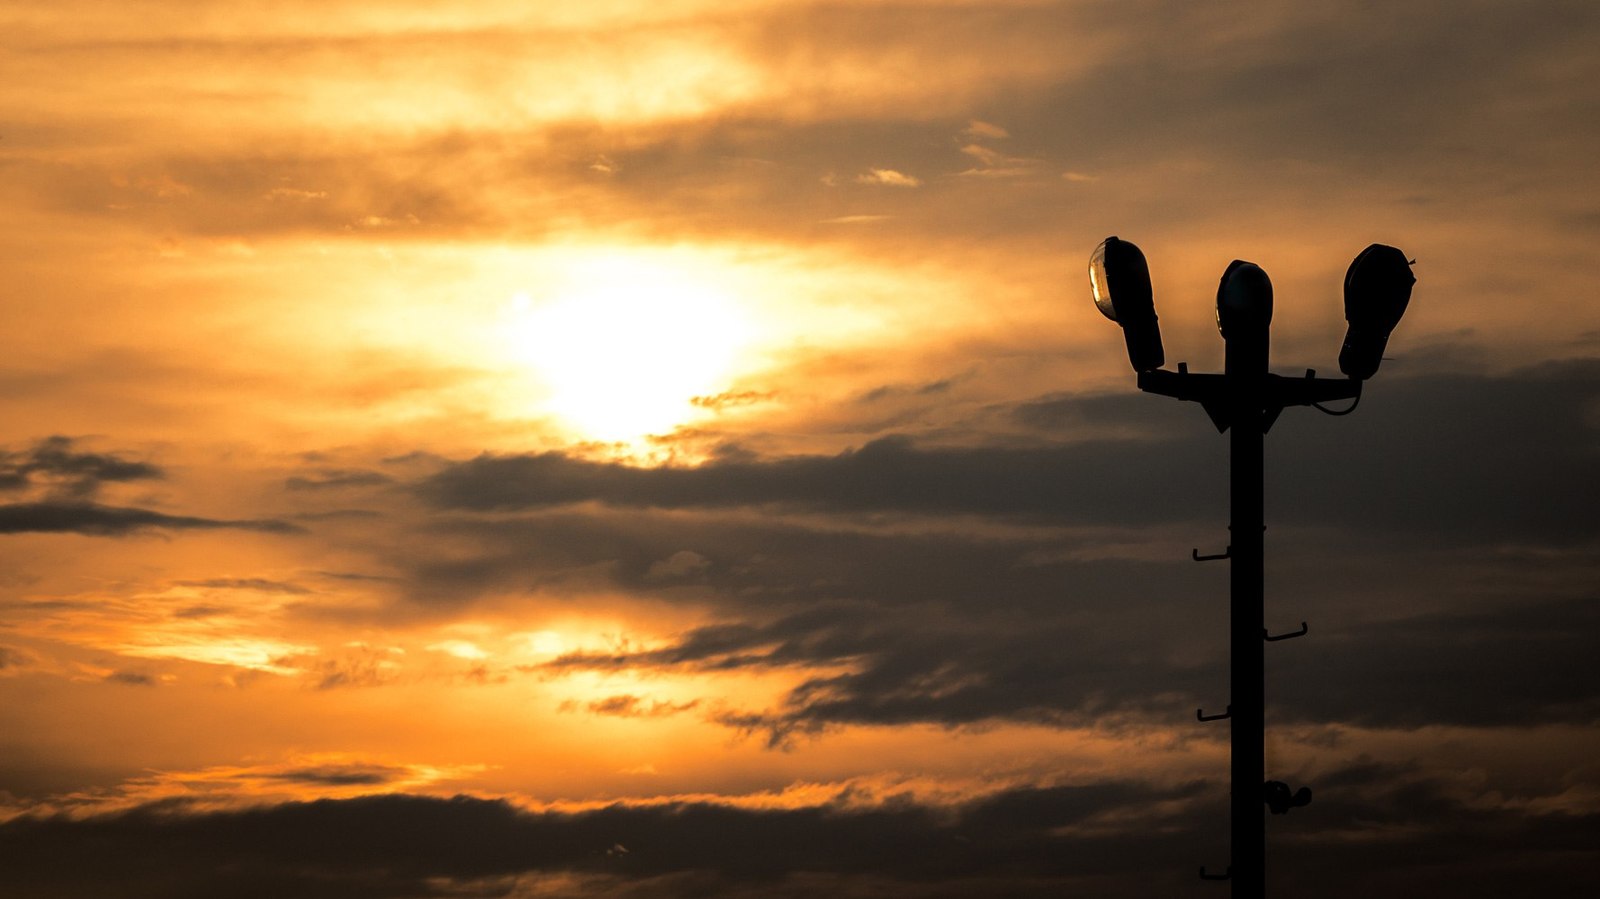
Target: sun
{"x": 619, "y": 344}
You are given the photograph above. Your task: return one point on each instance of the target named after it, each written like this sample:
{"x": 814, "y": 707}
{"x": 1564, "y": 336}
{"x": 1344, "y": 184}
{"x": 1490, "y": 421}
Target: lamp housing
{"x": 1120, "y": 280}
{"x": 1244, "y": 300}
{"x": 1377, "y": 289}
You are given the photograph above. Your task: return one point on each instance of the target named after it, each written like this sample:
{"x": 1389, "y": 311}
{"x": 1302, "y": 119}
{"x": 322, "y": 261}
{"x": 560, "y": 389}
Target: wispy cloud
{"x": 113, "y": 521}
{"x": 888, "y": 178}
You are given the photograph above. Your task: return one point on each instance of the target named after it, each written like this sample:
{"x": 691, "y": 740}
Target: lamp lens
{"x": 1099, "y": 282}
{"x": 1120, "y": 281}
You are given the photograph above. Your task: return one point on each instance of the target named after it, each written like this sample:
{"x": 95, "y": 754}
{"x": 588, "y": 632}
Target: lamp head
{"x": 1120, "y": 280}
{"x": 1377, "y": 288}
{"x": 1244, "y": 300}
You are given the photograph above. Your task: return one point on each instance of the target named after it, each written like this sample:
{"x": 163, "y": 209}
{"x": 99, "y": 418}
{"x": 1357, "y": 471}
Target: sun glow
{"x": 620, "y": 345}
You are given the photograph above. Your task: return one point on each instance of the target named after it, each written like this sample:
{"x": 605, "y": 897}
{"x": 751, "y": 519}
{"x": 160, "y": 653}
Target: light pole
{"x": 1247, "y": 399}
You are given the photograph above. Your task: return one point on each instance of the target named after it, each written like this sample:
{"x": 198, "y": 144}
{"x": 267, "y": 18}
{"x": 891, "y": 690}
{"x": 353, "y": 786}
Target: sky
{"x": 667, "y": 449}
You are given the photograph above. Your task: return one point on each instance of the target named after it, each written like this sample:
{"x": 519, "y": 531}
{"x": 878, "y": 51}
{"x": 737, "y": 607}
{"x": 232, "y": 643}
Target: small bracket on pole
{"x": 1200, "y": 714}
{"x": 1225, "y": 554}
{"x": 1223, "y": 876}
{"x": 1289, "y": 636}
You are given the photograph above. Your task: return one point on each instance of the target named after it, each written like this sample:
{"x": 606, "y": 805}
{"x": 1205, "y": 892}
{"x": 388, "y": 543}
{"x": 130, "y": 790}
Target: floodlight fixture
{"x": 1246, "y": 398}
{"x": 1377, "y": 288}
{"x": 1120, "y": 281}
{"x": 1244, "y": 300}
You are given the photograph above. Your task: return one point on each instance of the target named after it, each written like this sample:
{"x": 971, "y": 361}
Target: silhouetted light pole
{"x": 1248, "y": 399}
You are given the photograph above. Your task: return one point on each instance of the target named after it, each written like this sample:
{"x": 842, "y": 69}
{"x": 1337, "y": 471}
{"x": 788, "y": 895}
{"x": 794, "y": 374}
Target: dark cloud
{"x": 1368, "y": 88}
{"x": 248, "y": 583}
{"x": 1116, "y": 838}
{"x": 354, "y": 667}
{"x": 354, "y": 576}
{"x": 114, "y": 521}
{"x": 773, "y": 564}
{"x": 70, "y": 479}
{"x": 338, "y": 515}
{"x": 1080, "y": 619}
{"x": 200, "y": 611}
{"x": 340, "y": 775}
{"x": 931, "y": 388}
{"x": 54, "y": 464}
{"x": 1457, "y": 453}
{"x": 629, "y": 706}
{"x": 1520, "y": 663}
{"x": 13, "y": 658}
{"x": 1434, "y": 826}
{"x": 1493, "y": 458}
{"x": 1067, "y": 483}
{"x": 932, "y": 665}
{"x": 414, "y": 846}
{"x": 1524, "y": 661}
{"x": 1070, "y": 623}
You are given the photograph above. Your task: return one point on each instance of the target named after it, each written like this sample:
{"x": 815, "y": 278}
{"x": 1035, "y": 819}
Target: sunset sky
{"x": 666, "y": 448}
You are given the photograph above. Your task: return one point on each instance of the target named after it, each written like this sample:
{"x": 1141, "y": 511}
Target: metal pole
{"x": 1246, "y": 376}
{"x": 1246, "y": 398}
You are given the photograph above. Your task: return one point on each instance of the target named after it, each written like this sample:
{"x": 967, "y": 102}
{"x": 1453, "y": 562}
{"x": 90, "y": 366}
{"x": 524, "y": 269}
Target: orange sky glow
{"x": 624, "y": 412}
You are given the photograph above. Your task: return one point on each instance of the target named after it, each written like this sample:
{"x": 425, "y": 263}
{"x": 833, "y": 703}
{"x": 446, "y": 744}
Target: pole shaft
{"x": 1247, "y": 372}
{"x": 1247, "y": 658}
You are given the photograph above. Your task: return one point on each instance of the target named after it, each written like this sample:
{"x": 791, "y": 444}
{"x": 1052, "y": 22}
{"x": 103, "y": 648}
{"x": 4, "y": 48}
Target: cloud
{"x": 1448, "y": 453}
{"x": 63, "y": 482}
{"x": 335, "y": 478}
{"x": 732, "y": 399}
{"x": 856, "y": 219}
{"x": 1093, "y": 662}
{"x": 1523, "y": 660}
{"x": 992, "y": 163}
{"x": 985, "y": 130}
{"x": 299, "y": 776}
{"x": 1070, "y": 482}
{"x": 1117, "y": 838}
{"x": 252, "y": 583}
{"x": 765, "y": 560}
{"x": 884, "y": 669}
{"x": 411, "y": 845}
{"x": 944, "y": 665}
{"x": 342, "y": 775}
{"x": 14, "y": 660}
{"x": 681, "y": 564}
{"x": 888, "y": 178}
{"x": 113, "y": 521}
{"x": 55, "y": 464}
{"x": 630, "y": 706}
{"x": 1049, "y": 582}
{"x": 1486, "y": 457}
{"x": 352, "y": 668}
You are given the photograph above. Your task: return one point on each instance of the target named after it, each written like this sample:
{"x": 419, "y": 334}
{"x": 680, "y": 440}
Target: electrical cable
{"x": 1326, "y": 411}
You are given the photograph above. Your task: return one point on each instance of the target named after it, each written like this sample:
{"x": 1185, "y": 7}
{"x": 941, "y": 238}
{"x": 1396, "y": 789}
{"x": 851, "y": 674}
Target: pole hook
{"x": 1201, "y": 715}
{"x": 1289, "y": 636}
{"x": 1223, "y": 876}
{"x": 1225, "y": 554}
